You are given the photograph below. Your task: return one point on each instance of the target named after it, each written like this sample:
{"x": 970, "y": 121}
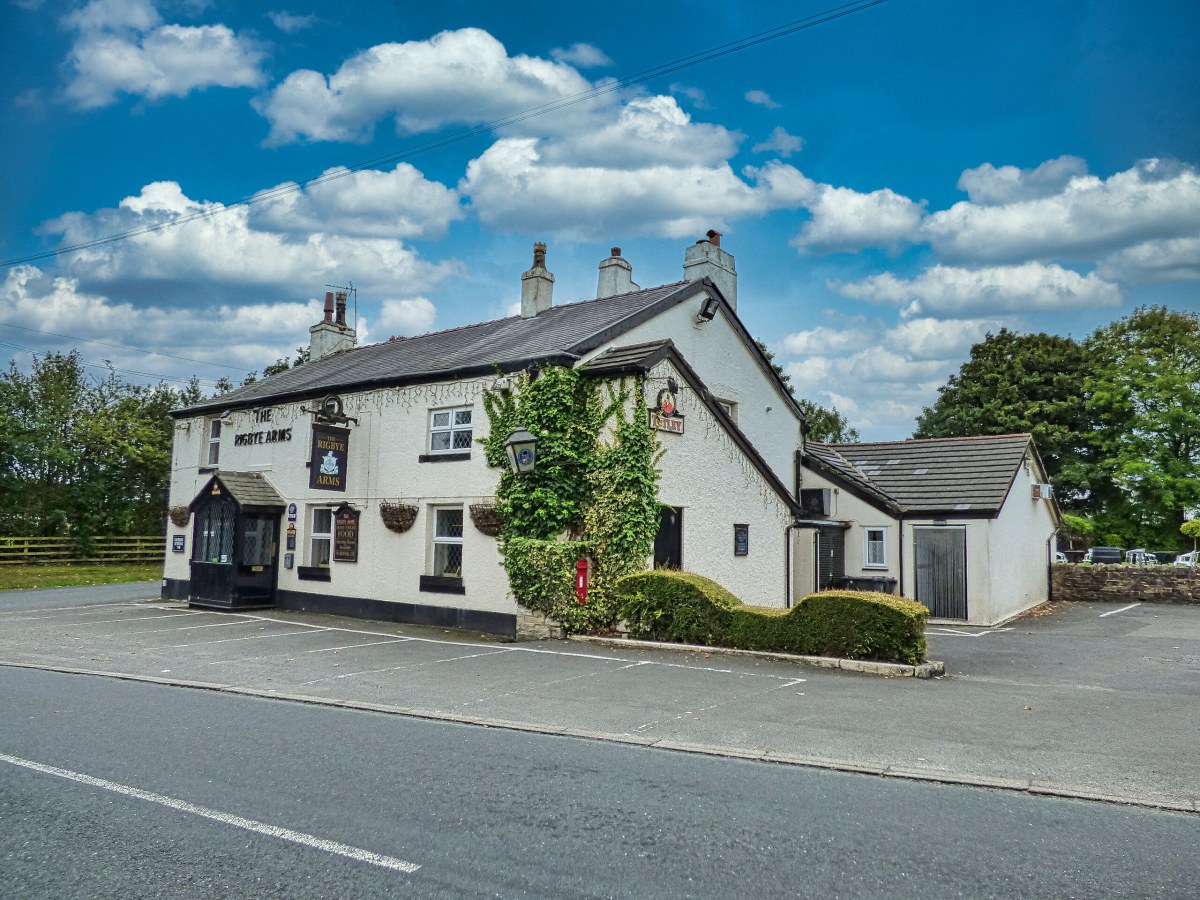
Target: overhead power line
{"x": 669, "y": 68}
{"x": 71, "y": 337}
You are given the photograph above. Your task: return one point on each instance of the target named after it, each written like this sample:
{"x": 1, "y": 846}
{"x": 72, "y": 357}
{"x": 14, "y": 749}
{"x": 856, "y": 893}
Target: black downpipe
{"x": 900, "y": 525}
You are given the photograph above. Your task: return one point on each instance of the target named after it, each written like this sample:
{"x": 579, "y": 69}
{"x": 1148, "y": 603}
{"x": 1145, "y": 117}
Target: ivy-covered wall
{"x": 593, "y": 493}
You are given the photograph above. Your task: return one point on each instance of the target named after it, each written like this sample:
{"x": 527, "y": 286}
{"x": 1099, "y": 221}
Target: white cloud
{"x": 761, "y": 98}
{"x": 695, "y": 95}
{"x": 1170, "y": 260}
{"x": 407, "y": 317}
{"x": 455, "y": 77}
{"x": 399, "y": 204}
{"x": 246, "y": 335}
{"x": 291, "y": 24}
{"x": 824, "y": 339}
{"x": 988, "y": 186}
{"x": 213, "y": 258}
{"x": 780, "y": 142}
{"x": 511, "y": 186}
{"x": 121, "y": 46}
{"x": 844, "y": 220}
{"x": 1089, "y": 216}
{"x": 583, "y": 56}
{"x": 943, "y": 339}
{"x": 950, "y": 291}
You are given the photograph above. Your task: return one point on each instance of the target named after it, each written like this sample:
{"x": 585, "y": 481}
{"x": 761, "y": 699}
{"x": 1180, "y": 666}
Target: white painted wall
{"x": 1020, "y": 547}
{"x": 384, "y": 449}
{"x": 704, "y": 472}
{"x": 731, "y": 372}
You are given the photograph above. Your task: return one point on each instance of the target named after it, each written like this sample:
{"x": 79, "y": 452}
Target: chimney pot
{"x": 715, "y": 237}
{"x": 616, "y": 251}
{"x": 329, "y": 306}
{"x": 341, "y": 309}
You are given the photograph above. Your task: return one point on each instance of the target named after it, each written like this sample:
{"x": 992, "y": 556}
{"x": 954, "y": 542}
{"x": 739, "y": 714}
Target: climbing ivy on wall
{"x": 593, "y": 493}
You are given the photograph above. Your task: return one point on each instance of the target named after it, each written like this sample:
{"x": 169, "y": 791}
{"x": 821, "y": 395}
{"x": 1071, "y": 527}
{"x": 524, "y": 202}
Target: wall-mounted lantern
{"x": 521, "y": 447}
{"x": 708, "y": 310}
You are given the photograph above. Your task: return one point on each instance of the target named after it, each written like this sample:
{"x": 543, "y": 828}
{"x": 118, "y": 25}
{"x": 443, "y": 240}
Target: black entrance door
{"x": 668, "y": 543}
{"x": 831, "y": 558}
{"x": 941, "y": 558}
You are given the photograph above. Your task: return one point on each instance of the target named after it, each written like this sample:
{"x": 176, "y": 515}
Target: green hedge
{"x": 686, "y": 608}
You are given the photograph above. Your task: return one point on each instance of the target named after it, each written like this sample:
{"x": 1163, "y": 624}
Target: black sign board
{"x": 177, "y": 543}
{"x": 327, "y": 462}
{"x": 345, "y": 534}
{"x": 741, "y": 540}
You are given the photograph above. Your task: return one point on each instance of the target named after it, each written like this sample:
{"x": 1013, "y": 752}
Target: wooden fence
{"x": 27, "y": 551}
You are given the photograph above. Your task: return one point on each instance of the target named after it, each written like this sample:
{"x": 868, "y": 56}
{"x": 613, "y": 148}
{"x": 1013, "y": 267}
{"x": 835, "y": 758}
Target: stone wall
{"x": 1125, "y": 584}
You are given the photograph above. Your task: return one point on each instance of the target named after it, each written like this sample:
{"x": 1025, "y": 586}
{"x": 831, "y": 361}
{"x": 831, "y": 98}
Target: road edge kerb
{"x": 1013, "y": 785}
{"x": 930, "y": 669}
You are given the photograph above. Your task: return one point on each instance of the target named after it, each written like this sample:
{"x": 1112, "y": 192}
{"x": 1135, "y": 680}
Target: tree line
{"x": 1116, "y": 418}
{"x": 84, "y": 457}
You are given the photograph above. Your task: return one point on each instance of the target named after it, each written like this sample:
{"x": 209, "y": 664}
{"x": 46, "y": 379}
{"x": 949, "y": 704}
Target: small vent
{"x": 1042, "y": 491}
{"x": 959, "y": 506}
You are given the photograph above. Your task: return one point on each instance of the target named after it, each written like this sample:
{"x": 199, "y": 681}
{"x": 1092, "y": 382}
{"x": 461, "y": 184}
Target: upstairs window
{"x": 213, "y": 453}
{"x": 450, "y": 430}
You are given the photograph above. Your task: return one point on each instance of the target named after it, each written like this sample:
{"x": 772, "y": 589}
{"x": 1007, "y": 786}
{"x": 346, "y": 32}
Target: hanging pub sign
{"x": 666, "y": 415}
{"x": 327, "y": 462}
{"x": 345, "y": 534}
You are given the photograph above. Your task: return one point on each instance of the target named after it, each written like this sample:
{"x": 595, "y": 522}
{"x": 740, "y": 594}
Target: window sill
{"x": 875, "y": 568}
{"x": 442, "y": 584}
{"x": 313, "y": 573}
{"x": 444, "y": 457}
{"x": 206, "y": 469}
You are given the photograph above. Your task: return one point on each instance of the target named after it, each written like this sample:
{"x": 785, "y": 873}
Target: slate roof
{"x": 560, "y": 334}
{"x": 832, "y": 463}
{"x": 631, "y": 359}
{"x": 249, "y": 489}
{"x": 962, "y": 475}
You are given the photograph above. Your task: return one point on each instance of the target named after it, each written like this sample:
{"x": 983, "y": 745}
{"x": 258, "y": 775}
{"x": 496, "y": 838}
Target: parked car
{"x": 1103, "y": 555}
{"x": 1190, "y": 558}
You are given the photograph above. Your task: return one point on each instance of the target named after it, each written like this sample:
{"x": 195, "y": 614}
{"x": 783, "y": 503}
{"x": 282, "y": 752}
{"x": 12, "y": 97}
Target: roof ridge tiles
{"x": 909, "y": 441}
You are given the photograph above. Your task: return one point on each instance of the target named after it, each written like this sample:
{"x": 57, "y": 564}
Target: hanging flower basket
{"x": 486, "y": 518}
{"x": 397, "y": 516}
{"x": 180, "y": 516}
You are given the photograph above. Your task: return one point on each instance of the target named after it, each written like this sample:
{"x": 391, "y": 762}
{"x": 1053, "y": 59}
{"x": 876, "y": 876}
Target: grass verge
{"x": 17, "y": 578}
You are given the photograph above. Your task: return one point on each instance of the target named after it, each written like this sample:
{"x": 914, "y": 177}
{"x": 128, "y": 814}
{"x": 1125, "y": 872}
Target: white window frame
{"x": 730, "y": 407}
{"x": 324, "y": 536}
{"x": 436, "y": 540}
{"x": 212, "y": 443}
{"x": 453, "y": 428}
{"x": 883, "y": 546}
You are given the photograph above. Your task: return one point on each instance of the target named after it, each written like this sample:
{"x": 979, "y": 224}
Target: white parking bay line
{"x": 253, "y": 637}
{"x": 275, "y": 831}
{"x": 1113, "y": 612}
{"x": 971, "y": 634}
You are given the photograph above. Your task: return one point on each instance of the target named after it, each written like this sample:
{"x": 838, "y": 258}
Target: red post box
{"x": 581, "y": 580}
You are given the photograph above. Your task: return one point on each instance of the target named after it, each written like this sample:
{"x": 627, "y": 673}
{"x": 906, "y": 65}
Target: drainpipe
{"x": 900, "y": 528}
{"x": 787, "y": 564}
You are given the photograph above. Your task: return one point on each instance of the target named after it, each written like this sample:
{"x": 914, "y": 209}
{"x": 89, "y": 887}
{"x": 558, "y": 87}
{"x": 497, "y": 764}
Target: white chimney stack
{"x": 331, "y": 334}
{"x": 616, "y": 276}
{"x": 706, "y": 258}
{"x": 537, "y": 285}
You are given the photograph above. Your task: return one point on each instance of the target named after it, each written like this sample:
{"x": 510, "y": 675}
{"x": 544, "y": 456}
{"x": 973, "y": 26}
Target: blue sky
{"x": 893, "y": 184}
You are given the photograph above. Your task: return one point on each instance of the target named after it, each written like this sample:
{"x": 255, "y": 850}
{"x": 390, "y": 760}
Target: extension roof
{"x": 560, "y": 335}
{"x": 960, "y": 476}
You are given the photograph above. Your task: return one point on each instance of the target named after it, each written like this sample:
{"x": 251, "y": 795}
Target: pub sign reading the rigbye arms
{"x": 327, "y": 462}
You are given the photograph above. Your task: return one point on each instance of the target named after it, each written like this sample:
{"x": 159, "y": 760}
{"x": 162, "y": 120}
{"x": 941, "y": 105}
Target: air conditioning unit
{"x": 1043, "y": 491}
{"x": 816, "y": 503}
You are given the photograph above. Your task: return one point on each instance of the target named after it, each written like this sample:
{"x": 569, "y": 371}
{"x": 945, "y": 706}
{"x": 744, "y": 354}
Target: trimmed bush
{"x": 686, "y": 608}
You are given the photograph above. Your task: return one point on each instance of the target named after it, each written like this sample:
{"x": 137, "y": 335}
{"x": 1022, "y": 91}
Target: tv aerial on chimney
{"x": 353, "y": 291}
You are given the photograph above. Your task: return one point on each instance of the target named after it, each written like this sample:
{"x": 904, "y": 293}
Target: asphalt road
{"x": 1094, "y": 700}
{"x": 489, "y": 812}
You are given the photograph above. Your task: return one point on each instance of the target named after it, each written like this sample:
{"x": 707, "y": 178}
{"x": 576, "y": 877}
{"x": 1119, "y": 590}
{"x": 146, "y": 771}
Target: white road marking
{"x": 971, "y": 634}
{"x": 90, "y": 622}
{"x": 184, "y": 628}
{"x": 253, "y": 637}
{"x": 19, "y": 612}
{"x": 275, "y": 831}
{"x": 357, "y": 646}
{"x": 1113, "y": 612}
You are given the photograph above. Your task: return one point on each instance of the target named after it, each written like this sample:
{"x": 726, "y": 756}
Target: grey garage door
{"x": 941, "y": 557}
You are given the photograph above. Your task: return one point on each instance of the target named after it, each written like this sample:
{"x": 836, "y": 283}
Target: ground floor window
{"x": 320, "y": 537}
{"x": 447, "y": 541}
{"x": 875, "y": 551}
